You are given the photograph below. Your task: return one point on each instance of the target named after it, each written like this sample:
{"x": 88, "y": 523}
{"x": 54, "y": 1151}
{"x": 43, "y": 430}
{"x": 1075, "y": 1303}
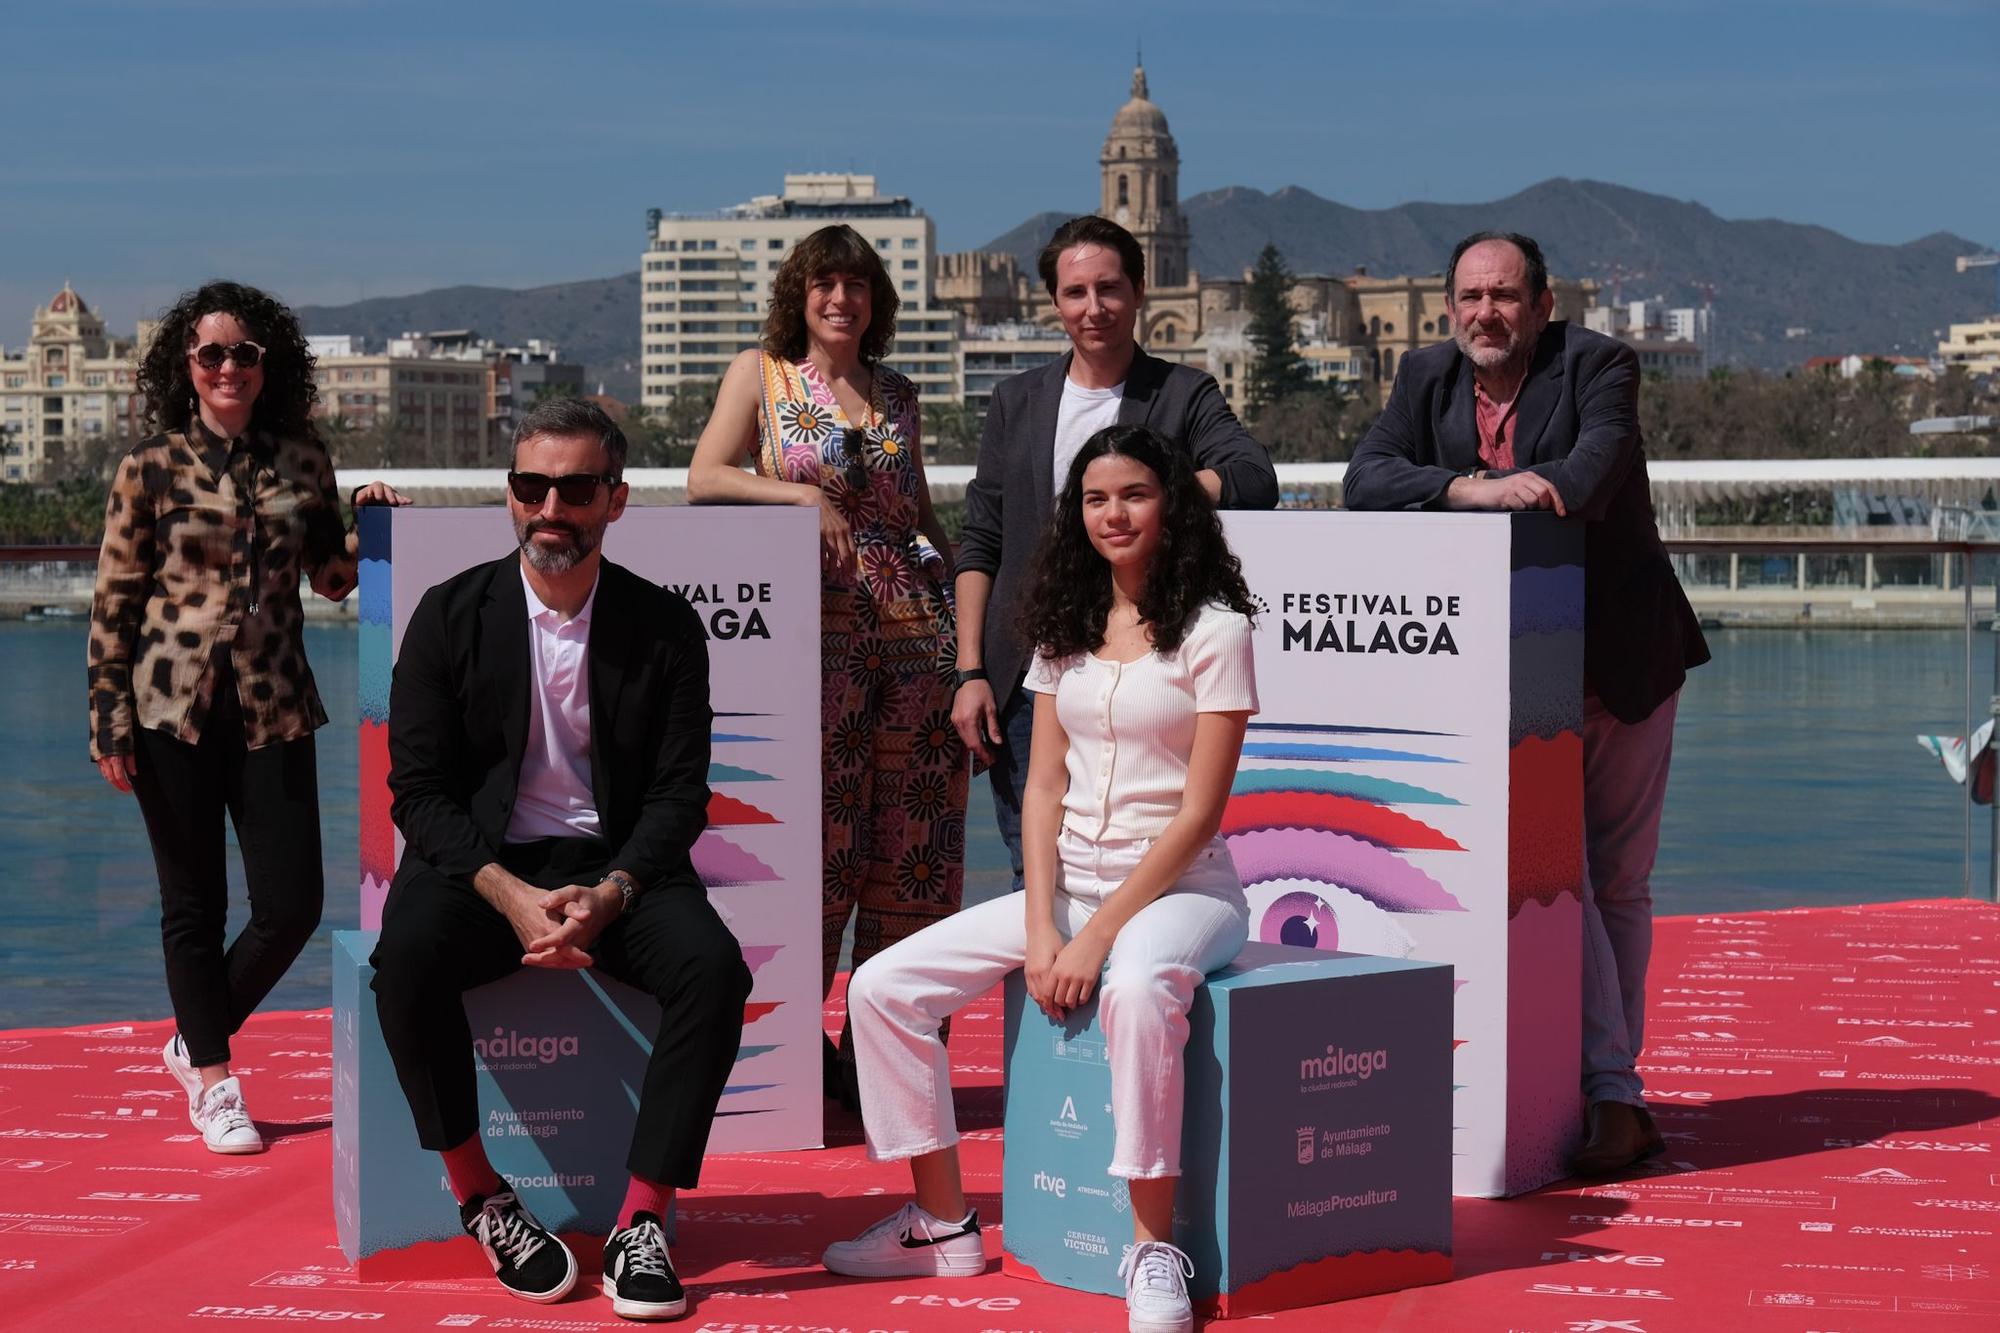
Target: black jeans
{"x": 271, "y": 794}
{"x": 440, "y": 939}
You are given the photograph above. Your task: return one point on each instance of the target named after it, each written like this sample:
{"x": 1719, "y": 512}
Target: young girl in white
{"x": 1144, "y": 685}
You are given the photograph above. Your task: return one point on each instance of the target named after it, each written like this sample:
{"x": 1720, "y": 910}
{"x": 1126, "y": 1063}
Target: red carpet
{"x": 1829, "y": 1082}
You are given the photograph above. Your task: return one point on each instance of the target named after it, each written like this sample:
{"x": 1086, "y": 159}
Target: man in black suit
{"x": 1518, "y": 413}
{"x": 548, "y": 746}
{"x": 1095, "y": 271}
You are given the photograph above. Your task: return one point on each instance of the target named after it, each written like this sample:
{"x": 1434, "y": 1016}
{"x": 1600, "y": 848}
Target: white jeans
{"x": 897, "y": 1000}
{"x": 1624, "y": 791}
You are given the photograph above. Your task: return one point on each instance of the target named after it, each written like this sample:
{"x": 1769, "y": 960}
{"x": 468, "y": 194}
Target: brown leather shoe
{"x": 1621, "y": 1136}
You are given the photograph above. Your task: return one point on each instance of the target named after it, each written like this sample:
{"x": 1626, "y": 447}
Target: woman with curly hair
{"x": 201, "y": 702}
{"x": 828, "y": 425}
{"x": 1144, "y": 686}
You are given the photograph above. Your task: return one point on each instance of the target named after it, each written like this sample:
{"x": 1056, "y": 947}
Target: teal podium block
{"x": 560, "y": 1056}
{"x": 1315, "y": 1148}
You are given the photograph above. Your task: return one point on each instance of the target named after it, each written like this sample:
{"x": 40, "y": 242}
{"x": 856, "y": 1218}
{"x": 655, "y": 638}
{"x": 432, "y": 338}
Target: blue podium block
{"x": 1315, "y": 1149}
{"x": 560, "y": 1056}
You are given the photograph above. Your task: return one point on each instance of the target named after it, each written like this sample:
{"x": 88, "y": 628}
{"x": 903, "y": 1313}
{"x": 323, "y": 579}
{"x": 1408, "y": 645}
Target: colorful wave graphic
{"x": 1315, "y": 752}
{"x": 1327, "y": 857}
{"x": 1326, "y": 841}
{"x": 1365, "y": 787}
{"x": 727, "y": 810}
{"x": 731, "y": 773}
{"x": 1326, "y": 810}
{"x": 719, "y": 862}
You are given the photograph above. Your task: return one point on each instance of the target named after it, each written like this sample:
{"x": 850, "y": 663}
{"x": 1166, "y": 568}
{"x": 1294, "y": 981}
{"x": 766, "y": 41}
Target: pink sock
{"x": 468, "y": 1170}
{"x": 644, "y": 1196}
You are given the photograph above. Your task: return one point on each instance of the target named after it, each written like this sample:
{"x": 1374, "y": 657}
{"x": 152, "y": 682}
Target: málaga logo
{"x": 508, "y": 1045}
{"x": 1340, "y": 1068}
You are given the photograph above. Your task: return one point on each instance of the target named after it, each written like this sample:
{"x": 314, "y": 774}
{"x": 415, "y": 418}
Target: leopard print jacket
{"x": 204, "y": 541}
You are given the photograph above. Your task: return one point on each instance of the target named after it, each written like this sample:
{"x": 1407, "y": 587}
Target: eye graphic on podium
{"x": 1323, "y": 835}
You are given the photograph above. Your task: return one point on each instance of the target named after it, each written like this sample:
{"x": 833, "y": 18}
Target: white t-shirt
{"x": 1083, "y": 413}
{"x": 1131, "y": 724}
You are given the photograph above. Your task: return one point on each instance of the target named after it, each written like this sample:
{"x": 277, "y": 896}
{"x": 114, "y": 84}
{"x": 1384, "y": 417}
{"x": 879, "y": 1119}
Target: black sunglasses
{"x": 210, "y": 356}
{"x": 576, "y": 489}
{"x": 851, "y": 441}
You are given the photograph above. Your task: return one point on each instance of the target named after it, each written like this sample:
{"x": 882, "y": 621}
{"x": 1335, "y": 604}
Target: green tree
{"x": 951, "y": 433}
{"x": 1277, "y": 369}
{"x": 666, "y": 436}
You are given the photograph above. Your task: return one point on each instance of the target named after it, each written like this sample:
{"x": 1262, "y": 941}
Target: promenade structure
{"x": 70, "y": 385}
{"x": 706, "y": 280}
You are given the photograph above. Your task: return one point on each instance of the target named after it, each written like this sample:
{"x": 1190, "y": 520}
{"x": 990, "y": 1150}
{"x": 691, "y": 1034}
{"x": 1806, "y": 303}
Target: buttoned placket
{"x": 1107, "y": 752}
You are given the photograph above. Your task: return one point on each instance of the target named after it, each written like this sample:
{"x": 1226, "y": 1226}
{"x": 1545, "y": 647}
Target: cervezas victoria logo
{"x": 1337, "y": 1067}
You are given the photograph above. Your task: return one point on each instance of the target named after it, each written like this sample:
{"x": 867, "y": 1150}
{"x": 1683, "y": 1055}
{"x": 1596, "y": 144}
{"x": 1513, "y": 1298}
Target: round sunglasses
{"x": 210, "y": 356}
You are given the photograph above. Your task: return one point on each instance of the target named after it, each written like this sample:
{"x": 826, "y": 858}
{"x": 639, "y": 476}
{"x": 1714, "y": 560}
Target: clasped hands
{"x": 556, "y": 927}
{"x": 1063, "y": 975}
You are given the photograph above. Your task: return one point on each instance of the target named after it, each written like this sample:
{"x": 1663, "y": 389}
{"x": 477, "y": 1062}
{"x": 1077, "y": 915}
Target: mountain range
{"x": 1770, "y": 278}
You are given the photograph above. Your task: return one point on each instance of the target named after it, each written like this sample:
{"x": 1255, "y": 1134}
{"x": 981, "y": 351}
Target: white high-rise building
{"x": 705, "y": 280}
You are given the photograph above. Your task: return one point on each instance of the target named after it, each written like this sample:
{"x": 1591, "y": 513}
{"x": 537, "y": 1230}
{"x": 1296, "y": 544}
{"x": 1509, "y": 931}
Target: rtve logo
{"x": 1049, "y": 1184}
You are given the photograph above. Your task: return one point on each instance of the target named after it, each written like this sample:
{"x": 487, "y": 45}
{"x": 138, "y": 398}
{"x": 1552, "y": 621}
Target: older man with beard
{"x": 1521, "y": 413}
{"x": 548, "y": 745}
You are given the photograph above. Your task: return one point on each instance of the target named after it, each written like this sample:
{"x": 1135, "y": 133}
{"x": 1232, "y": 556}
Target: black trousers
{"x": 440, "y": 939}
{"x": 271, "y": 794}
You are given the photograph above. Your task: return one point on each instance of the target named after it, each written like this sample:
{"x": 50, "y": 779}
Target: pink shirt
{"x": 1496, "y": 428}
{"x": 554, "y": 798}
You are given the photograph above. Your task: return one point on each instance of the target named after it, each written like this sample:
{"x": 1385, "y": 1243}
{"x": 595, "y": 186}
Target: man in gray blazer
{"x": 1520, "y": 413}
{"x": 1096, "y": 272}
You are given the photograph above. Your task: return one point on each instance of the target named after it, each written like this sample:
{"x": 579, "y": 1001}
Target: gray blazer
{"x": 1008, "y": 503}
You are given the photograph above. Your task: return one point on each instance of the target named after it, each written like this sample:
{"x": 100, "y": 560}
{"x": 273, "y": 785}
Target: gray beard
{"x": 560, "y": 560}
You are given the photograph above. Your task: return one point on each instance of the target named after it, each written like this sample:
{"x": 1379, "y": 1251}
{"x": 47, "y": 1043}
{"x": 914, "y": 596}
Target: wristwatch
{"x": 970, "y": 674}
{"x": 628, "y": 889}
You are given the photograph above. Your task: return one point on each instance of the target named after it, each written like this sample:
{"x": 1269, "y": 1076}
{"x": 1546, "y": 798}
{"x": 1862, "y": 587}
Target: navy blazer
{"x": 1012, "y": 493}
{"x": 458, "y": 723}
{"x": 1576, "y": 423}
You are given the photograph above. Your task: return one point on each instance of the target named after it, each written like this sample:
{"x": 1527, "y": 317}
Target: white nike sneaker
{"x": 1156, "y": 1294}
{"x": 911, "y": 1243}
{"x": 176, "y": 1057}
{"x": 224, "y": 1123}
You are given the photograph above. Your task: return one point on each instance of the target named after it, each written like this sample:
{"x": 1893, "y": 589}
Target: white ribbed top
{"x": 1131, "y": 724}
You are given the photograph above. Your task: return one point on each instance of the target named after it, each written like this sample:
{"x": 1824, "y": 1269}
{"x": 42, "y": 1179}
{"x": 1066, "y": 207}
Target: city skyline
{"x": 424, "y": 149}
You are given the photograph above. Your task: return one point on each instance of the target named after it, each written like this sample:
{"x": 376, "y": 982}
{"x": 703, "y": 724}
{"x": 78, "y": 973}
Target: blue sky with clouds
{"x": 333, "y": 149}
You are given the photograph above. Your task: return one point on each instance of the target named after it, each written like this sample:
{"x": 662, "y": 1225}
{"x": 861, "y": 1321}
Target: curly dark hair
{"x": 835, "y": 249}
{"x": 1069, "y": 591}
{"x": 284, "y": 405}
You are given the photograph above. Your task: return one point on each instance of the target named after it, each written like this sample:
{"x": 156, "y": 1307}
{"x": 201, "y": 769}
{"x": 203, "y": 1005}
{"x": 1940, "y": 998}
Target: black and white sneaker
{"x": 638, "y": 1276}
{"x": 526, "y": 1256}
{"x": 911, "y": 1243}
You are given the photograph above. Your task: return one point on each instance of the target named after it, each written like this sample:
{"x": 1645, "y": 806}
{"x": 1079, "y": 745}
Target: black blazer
{"x": 458, "y": 723}
{"x": 1577, "y": 424}
{"x": 1007, "y": 505}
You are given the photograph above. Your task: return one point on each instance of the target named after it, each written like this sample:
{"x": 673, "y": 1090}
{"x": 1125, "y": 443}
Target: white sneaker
{"x": 224, "y": 1123}
{"x": 185, "y": 1074}
{"x": 911, "y": 1243}
{"x": 1156, "y": 1294}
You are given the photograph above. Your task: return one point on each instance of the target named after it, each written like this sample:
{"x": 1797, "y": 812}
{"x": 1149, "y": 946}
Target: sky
{"x": 330, "y": 150}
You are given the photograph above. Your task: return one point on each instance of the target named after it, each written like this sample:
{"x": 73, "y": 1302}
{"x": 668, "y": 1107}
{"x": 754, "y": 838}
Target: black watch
{"x": 970, "y": 674}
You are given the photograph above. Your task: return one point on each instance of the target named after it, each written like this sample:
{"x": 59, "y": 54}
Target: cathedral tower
{"x": 1142, "y": 170}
